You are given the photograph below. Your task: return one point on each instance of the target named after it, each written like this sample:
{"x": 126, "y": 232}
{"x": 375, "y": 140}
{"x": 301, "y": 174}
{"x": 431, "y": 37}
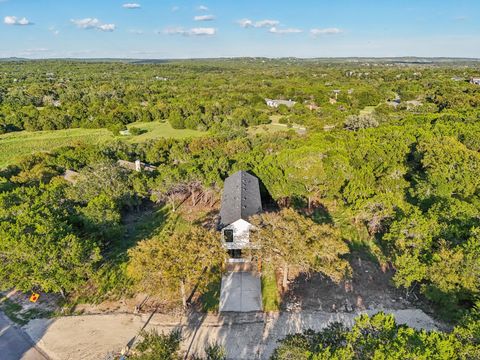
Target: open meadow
{"x": 15, "y": 145}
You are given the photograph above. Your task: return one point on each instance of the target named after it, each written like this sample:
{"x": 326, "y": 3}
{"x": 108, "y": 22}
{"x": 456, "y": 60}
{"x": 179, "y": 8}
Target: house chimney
{"x": 138, "y": 165}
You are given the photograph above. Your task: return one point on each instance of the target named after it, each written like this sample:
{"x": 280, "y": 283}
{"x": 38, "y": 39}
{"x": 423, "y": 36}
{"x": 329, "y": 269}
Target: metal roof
{"x": 241, "y": 198}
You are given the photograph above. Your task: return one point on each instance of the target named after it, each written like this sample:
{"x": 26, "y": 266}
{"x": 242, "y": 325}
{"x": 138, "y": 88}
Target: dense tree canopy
{"x": 394, "y": 152}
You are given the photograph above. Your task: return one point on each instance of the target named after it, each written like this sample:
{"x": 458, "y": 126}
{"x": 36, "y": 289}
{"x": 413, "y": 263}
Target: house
{"x": 475, "y": 80}
{"x": 240, "y": 200}
{"x": 240, "y": 289}
{"x": 276, "y": 103}
{"x": 135, "y": 166}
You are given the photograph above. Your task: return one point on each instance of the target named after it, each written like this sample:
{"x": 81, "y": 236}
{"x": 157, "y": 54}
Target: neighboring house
{"x": 475, "y": 80}
{"x": 276, "y": 103}
{"x": 135, "y": 166}
{"x": 412, "y": 104}
{"x": 240, "y": 200}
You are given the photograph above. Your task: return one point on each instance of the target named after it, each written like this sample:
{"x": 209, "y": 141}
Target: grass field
{"x": 17, "y": 144}
{"x": 270, "y": 295}
{"x": 274, "y": 126}
{"x": 367, "y": 110}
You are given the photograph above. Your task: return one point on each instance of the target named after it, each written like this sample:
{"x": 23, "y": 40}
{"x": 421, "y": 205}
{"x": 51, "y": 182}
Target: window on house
{"x": 228, "y": 235}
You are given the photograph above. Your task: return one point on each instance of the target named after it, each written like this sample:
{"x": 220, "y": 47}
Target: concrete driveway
{"x": 240, "y": 292}
{"x": 15, "y": 344}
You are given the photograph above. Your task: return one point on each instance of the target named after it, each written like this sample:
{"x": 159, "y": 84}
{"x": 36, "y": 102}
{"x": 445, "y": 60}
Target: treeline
{"x": 219, "y": 95}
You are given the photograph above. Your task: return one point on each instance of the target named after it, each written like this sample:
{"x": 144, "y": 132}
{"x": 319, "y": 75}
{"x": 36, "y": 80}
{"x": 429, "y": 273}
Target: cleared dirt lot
{"x": 369, "y": 288}
{"x": 245, "y": 336}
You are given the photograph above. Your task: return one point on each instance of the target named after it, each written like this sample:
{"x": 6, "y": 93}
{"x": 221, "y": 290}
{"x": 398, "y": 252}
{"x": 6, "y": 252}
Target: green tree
{"x": 380, "y": 337}
{"x": 176, "y": 262}
{"x": 155, "y": 346}
{"x": 288, "y": 239}
{"x": 38, "y": 247}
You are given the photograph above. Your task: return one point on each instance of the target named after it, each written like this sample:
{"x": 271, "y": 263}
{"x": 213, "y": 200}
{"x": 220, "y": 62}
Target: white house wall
{"x": 241, "y": 234}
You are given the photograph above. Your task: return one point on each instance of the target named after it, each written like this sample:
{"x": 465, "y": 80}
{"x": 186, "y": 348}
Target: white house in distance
{"x": 475, "y": 80}
{"x": 240, "y": 200}
{"x": 276, "y": 103}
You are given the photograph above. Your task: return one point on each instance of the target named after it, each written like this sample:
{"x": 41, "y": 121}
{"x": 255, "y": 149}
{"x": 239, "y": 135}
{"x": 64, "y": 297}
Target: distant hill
{"x": 381, "y": 60}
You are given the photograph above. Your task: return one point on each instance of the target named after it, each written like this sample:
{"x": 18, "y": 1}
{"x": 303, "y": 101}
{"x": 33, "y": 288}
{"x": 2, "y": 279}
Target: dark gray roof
{"x": 241, "y": 198}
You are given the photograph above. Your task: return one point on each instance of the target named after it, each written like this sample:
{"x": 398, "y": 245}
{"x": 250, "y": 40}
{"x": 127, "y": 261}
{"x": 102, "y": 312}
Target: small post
{"x": 138, "y": 165}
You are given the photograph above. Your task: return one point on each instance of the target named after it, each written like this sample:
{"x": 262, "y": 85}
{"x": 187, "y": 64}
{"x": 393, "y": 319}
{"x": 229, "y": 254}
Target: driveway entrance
{"x": 241, "y": 292}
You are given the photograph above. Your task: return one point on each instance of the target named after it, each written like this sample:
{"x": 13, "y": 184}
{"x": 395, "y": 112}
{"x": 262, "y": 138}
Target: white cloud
{"x": 203, "y": 31}
{"x": 87, "y": 23}
{"x": 93, "y": 23}
{"x": 275, "y": 30}
{"x": 131, "y": 6}
{"x": 174, "y": 31}
{"x": 245, "y": 23}
{"x": 200, "y": 31}
{"x": 13, "y": 20}
{"x": 266, "y": 23}
{"x": 204, "y": 18}
{"x": 326, "y": 31}
{"x": 106, "y": 27}
{"x": 175, "y": 8}
{"x": 202, "y": 8}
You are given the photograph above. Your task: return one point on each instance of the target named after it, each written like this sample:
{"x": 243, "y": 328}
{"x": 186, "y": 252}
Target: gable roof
{"x": 287, "y": 103}
{"x": 241, "y": 198}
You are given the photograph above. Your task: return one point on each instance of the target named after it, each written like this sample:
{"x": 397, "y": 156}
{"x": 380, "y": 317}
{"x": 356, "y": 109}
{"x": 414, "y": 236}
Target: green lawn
{"x": 17, "y": 144}
{"x": 274, "y": 126}
{"x": 155, "y": 130}
{"x": 367, "y": 110}
{"x": 15, "y": 312}
{"x": 270, "y": 294}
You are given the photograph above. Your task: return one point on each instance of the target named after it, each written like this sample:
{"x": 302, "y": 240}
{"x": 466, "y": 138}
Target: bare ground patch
{"x": 370, "y": 287}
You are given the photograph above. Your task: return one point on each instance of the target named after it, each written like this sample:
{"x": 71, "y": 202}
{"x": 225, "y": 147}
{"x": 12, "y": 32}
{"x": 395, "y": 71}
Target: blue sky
{"x": 224, "y": 28}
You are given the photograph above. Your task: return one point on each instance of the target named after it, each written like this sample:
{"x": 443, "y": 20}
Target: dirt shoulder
{"x": 244, "y": 335}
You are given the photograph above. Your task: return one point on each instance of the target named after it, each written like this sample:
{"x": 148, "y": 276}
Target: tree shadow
{"x": 321, "y": 215}
{"x": 16, "y": 343}
{"x": 138, "y": 226}
{"x": 268, "y": 203}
